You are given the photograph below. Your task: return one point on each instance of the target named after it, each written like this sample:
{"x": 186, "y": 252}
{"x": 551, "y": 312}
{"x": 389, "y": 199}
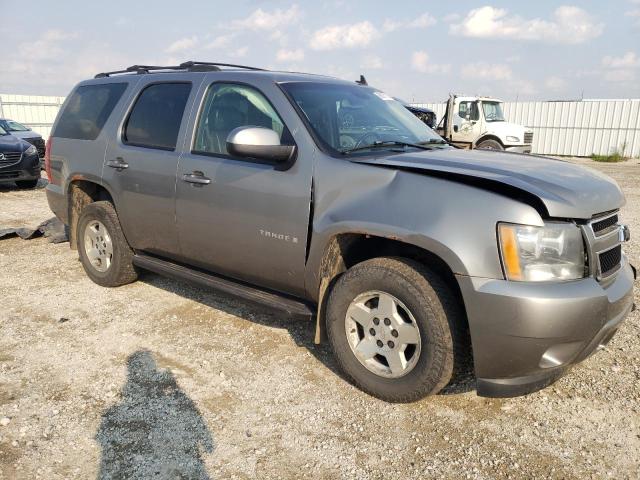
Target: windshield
{"x": 493, "y": 111}
{"x": 3, "y": 131}
{"x": 352, "y": 117}
{"x": 12, "y": 126}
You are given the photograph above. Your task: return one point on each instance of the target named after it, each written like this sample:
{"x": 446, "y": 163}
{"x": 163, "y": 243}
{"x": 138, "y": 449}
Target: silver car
{"x": 417, "y": 260}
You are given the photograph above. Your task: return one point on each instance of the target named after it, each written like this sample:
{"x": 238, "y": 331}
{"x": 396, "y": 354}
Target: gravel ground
{"x": 162, "y": 378}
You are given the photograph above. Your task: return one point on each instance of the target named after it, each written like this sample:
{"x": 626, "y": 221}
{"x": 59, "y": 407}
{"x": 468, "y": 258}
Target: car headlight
{"x": 538, "y": 254}
{"x": 513, "y": 139}
{"x": 31, "y": 150}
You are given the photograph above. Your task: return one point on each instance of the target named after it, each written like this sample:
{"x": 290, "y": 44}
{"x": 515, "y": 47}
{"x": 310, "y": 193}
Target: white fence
{"x": 35, "y": 111}
{"x": 575, "y": 128}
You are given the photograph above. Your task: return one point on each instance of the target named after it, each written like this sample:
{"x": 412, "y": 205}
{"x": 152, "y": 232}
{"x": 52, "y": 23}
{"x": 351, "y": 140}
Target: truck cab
{"x": 479, "y": 122}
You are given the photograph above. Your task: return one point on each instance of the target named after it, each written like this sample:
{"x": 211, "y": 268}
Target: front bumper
{"x": 519, "y": 149}
{"x": 28, "y": 168}
{"x": 525, "y": 335}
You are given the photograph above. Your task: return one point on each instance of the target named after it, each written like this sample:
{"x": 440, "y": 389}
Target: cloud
{"x": 262, "y": 20}
{"x": 284, "y": 55}
{"x": 620, "y": 76}
{"x": 240, "y": 52}
{"x": 635, "y": 14}
{"x": 47, "y": 46}
{"x": 335, "y": 37}
{"x": 182, "y": 44}
{"x": 423, "y": 21}
{"x": 568, "y": 25}
{"x": 220, "y": 41}
{"x": 628, "y": 60}
{"x": 372, "y": 62}
{"x": 420, "y": 62}
{"x": 555, "y": 83}
{"x": 487, "y": 71}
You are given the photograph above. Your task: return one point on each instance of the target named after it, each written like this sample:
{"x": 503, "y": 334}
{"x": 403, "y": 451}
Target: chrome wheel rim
{"x": 383, "y": 334}
{"x": 98, "y": 246}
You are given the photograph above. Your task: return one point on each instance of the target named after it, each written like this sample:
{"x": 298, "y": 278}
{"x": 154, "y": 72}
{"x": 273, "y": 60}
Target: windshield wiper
{"x": 434, "y": 141}
{"x": 390, "y": 143}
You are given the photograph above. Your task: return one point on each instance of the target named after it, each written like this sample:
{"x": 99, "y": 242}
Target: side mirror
{"x": 258, "y": 142}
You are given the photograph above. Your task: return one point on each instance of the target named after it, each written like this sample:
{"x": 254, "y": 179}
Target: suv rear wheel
{"x": 394, "y": 326}
{"x": 104, "y": 252}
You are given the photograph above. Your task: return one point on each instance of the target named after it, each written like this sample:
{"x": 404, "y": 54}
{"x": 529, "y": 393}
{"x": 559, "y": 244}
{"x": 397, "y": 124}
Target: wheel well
{"x": 81, "y": 193}
{"x": 488, "y": 137}
{"x": 348, "y": 249}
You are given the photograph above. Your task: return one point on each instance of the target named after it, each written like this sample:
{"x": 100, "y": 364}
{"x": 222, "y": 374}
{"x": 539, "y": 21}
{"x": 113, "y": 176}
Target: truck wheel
{"x": 104, "y": 252}
{"x": 489, "y": 145}
{"x": 395, "y": 328}
{"x": 27, "y": 183}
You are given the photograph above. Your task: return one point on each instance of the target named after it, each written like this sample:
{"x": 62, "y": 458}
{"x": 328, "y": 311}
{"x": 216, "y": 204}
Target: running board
{"x": 266, "y": 298}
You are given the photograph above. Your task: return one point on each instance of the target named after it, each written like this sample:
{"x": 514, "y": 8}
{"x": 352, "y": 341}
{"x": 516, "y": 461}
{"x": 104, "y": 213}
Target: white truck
{"x": 478, "y": 122}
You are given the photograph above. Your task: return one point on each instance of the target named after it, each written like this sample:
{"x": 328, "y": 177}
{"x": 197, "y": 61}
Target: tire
{"x": 489, "y": 145}
{"x": 115, "y": 267}
{"x": 27, "y": 183}
{"x": 434, "y": 311}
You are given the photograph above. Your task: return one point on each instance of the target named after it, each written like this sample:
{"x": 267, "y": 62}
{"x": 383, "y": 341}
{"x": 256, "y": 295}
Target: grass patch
{"x": 617, "y": 155}
{"x": 612, "y": 158}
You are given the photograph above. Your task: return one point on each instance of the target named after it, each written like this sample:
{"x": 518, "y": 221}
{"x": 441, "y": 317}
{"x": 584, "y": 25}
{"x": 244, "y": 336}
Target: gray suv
{"x": 415, "y": 258}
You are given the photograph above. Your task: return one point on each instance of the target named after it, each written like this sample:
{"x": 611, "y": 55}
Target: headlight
{"x": 513, "y": 139}
{"x": 538, "y": 254}
{"x": 31, "y": 150}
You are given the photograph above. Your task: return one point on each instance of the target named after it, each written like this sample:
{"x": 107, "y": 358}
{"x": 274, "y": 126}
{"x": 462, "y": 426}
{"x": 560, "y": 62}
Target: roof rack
{"x": 190, "y": 66}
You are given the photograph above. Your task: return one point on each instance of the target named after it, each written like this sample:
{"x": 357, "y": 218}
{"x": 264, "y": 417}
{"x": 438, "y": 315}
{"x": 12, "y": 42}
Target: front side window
{"x": 346, "y": 117}
{"x": 229, "y": 106}
{"x": 87, "y": 110}
{"x": 492, "y": 111}
{"x": 154, "y": 121}
{"x": 468, "y": 109}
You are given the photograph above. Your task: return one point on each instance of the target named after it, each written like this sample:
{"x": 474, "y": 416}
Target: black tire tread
{"x": 453, "y": 347}
{"x": 122, "y": 270}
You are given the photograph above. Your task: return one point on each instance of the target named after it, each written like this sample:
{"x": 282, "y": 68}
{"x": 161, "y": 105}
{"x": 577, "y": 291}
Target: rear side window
{"x": 154, "y": 121}
{"x": 87, "y": 110}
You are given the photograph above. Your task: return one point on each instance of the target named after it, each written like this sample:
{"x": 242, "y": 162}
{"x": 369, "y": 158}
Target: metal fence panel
{"x": 575, "y": 128}
{"x": 35, "y": 111}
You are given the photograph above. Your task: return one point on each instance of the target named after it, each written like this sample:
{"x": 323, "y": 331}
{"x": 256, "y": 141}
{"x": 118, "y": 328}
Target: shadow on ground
{"x": 155, "y": 431}
{"x": 301, "y": 329}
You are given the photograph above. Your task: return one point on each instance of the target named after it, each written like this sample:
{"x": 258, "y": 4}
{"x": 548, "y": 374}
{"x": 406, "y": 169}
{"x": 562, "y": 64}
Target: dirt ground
{"x": 162, "y": 379}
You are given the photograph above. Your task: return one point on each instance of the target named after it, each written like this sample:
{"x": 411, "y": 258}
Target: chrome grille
{"x": 528, "y": 137}
{"x": 9, "y": 158}
{"x": 604, "y": 236}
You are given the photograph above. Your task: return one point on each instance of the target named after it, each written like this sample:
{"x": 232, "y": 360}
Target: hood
{"x": 27, "y": 134}
{"x": 502, "y": 129}
{"x": 565, "y": 190}
{"x": 11, "y": 143}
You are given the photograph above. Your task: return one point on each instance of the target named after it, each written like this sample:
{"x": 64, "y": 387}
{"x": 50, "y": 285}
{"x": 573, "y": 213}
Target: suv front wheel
{"x": 104, "y": 252}
{"x": 396, "y": 328}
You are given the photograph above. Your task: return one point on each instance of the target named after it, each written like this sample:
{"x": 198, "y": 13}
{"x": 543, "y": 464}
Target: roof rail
{"x": 190, "y": 66}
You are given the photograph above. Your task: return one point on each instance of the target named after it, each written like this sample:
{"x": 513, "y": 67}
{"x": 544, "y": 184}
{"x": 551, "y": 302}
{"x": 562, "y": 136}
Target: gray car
{"x": 416, "y": 259}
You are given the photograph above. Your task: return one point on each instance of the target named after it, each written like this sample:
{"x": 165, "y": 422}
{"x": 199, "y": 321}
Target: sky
{"x": 418, "y": 50}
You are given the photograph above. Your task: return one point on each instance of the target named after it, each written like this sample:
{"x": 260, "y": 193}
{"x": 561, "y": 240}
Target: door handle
{"x": 196, "y": 177}
{"x": 118, "y": 163}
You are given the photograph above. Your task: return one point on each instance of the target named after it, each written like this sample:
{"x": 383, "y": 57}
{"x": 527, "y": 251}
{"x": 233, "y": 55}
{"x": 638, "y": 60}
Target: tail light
{"x": 47, "y": 158}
